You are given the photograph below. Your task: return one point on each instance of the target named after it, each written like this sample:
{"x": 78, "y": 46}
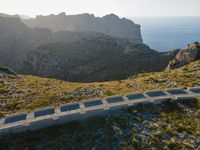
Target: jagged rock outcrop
{"x": 110, "y": 24}
{"x": 185, "y": 56}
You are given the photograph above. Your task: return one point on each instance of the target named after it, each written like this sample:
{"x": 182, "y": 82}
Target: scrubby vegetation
{"x": 172, "y": 125}
{"x": 29, "y": 93}
{"x": 99, "y": 58}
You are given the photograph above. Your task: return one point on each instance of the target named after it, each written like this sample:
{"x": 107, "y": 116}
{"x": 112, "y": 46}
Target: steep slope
{"x": 110, "y": 24}
{"x": 16, "y": 39}
{"x": 13, "y": 35}
{"x": 98, "y": 58}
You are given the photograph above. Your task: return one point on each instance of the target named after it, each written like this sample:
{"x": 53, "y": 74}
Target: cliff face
{"x": 185, "y": 56}
{"x": 111, "y": 25}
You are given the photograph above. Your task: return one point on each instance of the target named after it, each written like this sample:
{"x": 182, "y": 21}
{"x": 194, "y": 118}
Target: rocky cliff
{"x": 110, "y": 24}
{"x": 185, "y": 56}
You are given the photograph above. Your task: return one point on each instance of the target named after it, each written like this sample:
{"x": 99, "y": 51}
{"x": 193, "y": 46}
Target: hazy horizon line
{"x": 96, "y": 15}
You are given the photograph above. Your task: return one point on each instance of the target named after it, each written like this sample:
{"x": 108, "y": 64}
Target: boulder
{"x": 185, "y": 56}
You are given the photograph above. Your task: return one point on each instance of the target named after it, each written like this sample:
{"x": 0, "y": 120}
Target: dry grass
{"x": 29, "y": 92}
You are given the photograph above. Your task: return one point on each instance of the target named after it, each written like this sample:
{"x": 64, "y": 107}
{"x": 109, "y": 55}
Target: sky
{"x": 123, "y": 8}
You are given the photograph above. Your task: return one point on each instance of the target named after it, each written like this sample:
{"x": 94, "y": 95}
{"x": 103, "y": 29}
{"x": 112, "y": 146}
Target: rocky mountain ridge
{"x": 110, "y": 24}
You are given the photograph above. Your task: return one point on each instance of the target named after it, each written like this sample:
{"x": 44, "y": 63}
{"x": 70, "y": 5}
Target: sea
{"x": 169, "y": 33}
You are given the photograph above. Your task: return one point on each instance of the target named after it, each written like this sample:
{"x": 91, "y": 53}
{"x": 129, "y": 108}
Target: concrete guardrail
{"x": 80, "y": 111}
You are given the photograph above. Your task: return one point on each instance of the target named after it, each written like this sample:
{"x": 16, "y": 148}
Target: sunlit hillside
{"x": 28, "y": 93}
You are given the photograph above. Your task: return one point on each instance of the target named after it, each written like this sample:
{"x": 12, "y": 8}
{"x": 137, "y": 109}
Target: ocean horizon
{"x": 169, "y": 33}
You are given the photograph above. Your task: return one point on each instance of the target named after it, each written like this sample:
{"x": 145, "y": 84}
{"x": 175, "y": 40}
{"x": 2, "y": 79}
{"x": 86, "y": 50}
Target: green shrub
{"x": 3, "y": 68}
{"x": 109, "y": 93}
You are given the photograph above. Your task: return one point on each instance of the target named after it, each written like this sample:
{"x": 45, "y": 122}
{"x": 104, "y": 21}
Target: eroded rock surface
{"x": 185, "y": 56}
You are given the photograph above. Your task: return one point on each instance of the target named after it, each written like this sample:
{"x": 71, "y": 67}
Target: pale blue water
{"x": 168, "y": 33}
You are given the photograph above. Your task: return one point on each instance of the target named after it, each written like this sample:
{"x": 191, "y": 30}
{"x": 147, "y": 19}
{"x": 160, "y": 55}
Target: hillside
{"x": 110, "y": 24}
{"x": 99, "y": 58}
{"x": 16, "y": 39}
{"x": 28, "y": 92}
{"x": 172, "y": 125}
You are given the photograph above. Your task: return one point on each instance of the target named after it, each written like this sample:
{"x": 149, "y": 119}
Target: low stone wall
{"x": 80, "y": 111}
